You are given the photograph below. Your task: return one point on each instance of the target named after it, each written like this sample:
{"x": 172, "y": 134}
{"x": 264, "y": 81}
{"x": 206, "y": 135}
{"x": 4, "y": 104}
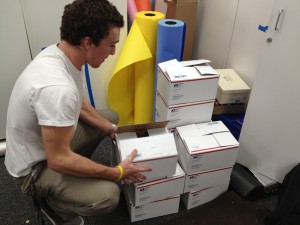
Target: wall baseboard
{"x": 2, "y": 147}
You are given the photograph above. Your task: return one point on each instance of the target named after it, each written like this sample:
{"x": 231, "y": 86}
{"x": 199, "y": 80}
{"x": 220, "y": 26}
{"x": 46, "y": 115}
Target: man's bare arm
{"x": 62, "y": 159}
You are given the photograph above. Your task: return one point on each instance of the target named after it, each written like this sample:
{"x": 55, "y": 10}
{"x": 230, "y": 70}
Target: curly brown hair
{"x": 89, "y": 18}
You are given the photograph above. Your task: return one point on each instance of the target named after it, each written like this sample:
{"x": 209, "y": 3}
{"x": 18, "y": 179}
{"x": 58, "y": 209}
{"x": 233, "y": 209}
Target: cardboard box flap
{"x": 201, "y": 129}
{"x": 151, "y": 147}
{"x": 198, "y": 143}
{"x": 206, "y": 69}
{"x": 210, "y": 142}
{"x": 176, "y": 71}
{"x": 189, "y": 63}
{"x": 206, "y": 136}
{"x": 196, "y": 62}
{"x": 225, "y": 139}
{"x": 186, "y": 130}
{"x": 211, "y": 127}
{"x": 169, "y": 63}
{"x": 141, "y": 127}
{"x": 187, "y": 70}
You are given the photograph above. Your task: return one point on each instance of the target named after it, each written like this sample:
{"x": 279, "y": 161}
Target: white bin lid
{"x": 230, "y": 82}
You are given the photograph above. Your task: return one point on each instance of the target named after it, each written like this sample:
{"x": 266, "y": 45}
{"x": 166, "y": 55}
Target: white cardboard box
{"x": 153, "y": 209}
{"x": 187, "y": 81}
{"x": 205, "y": 179}
{"x": 183, "y": 114}
{"x": 205, "y": 146}
{"x": 200, "y": 197}
{"x": 231, "y": 88}
{"x": 156, "y": 148}
{"x": 146, "y": 192}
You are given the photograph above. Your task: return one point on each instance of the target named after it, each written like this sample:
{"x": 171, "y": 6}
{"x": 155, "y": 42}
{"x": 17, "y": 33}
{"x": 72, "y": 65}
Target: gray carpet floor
{"x": 17, "y": 208}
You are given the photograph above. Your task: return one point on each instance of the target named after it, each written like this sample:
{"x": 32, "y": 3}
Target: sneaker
{"x": 55, "y": 219}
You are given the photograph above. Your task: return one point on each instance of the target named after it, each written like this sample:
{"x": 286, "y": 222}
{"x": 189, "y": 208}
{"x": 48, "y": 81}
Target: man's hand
{"x": 112, "y": 131}
{"x": 132, "y": 172}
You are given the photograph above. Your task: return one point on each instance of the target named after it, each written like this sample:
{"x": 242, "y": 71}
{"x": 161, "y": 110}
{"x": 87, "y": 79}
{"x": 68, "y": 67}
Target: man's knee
{"x": 110, "y": 114}
{"x": 105, "y": 201}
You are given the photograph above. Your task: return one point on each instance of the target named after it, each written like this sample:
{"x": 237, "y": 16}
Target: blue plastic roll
{"x": 170, "y": 40}
{"x": 170, "y": 44}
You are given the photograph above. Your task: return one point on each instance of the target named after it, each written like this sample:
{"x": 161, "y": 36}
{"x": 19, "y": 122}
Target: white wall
{"x": 15, "y": 53}
{"x": 42, "y": 18}
{"x": 214, "y": 27}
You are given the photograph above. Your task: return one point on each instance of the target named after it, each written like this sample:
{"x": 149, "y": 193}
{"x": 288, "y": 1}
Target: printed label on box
{"x": 139, "y": 212}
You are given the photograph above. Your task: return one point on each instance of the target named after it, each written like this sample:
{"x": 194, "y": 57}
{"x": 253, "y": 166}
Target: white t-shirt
{"x": 49, "y": 92}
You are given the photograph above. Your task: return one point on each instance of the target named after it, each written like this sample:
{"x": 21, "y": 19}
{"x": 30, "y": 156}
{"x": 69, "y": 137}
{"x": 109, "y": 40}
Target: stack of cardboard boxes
{"x": 207, "y": 151}
{"x": 185, "y": 92}
{"x": 190, "y": 156}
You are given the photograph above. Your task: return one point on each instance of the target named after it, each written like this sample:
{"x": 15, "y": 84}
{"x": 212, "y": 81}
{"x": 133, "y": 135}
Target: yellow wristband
{"x": 121, "y": 172}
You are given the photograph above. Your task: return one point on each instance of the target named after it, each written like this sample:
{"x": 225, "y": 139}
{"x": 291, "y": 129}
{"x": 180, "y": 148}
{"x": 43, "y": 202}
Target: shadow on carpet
{"x": 227, "y": 209}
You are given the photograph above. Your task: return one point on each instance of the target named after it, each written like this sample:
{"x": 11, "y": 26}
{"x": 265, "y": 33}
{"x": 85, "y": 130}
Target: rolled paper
{"x": 170, "y": 40}
{"x": 143, "y": 5}
{"x": 131, "y": 9}
{"x": 131, "y": 88}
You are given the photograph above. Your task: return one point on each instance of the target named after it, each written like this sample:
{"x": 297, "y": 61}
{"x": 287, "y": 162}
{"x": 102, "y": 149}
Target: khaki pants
{"x": 68, "y": 195}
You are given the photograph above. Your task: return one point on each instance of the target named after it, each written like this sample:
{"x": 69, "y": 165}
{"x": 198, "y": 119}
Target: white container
{"x": 200, "y": 197}
{"x": 231, "y": 88}
{"x": 154, "y": 209}
{"x": 183, "y": 114}
{"x": 156, "y": 148}
{"x": 185, "y": 84}
{"x": 205, "y": 179}
{"x": 146, "y": 192}
{"x": 205, "y": 146}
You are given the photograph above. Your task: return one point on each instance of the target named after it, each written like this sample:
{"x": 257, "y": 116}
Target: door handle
{"x": 278, "y": 19}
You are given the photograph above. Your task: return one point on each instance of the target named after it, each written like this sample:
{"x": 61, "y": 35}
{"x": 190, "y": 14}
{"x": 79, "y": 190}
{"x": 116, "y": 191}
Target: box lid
{"x": 152, "y": 140}
{"x": 206, "y": 137}
{"x": 149, "y": 148}
{"x": 230, "y": 82}
{"x": 141, "y": 127}
{"x": 187, "y": 70}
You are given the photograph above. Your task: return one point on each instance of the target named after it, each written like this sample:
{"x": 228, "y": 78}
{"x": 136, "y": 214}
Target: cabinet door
{"x": 269, "y": 141}
{"x": 247, "y": 40}
{"x": 15, "y": 54}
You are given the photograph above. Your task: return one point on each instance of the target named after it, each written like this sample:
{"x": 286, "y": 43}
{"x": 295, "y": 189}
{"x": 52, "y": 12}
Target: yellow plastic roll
{"x": 131, "y": 88}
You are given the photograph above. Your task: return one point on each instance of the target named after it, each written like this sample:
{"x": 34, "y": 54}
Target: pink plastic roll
{"x": 131, "y": 8}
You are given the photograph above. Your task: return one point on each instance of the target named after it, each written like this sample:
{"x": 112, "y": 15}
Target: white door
{"x": 269, "y": 141}
{"x": 247, "y": 39}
